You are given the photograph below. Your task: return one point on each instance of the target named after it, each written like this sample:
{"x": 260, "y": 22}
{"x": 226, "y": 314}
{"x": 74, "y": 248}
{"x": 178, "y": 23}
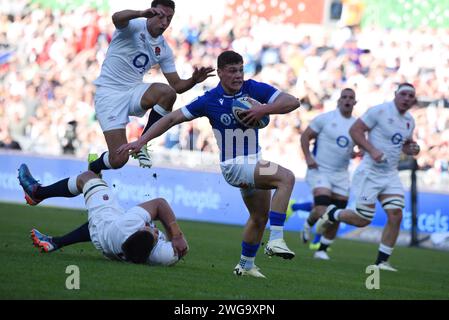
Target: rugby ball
{"x": 243, "y": 104}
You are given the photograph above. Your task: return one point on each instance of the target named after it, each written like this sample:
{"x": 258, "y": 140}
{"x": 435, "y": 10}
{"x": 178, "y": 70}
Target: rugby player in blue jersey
{"x": 241, "y": 163}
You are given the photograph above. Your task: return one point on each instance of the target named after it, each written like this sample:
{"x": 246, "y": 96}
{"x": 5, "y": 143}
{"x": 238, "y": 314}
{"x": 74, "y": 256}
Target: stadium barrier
{"x": 205, "y": 196}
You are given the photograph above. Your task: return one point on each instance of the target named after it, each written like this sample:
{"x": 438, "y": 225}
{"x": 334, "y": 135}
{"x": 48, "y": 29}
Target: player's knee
{"x": 365, "y": 215}
{"x": 289, "y": 179}
{"x": 362, "y": 222}
{"x": 87, "y": 175}
{"x": 118, "y": 161}
{"x": 83, "y": 178}
{"x": 260, "y": 220}
{"x": 167, "y": 97}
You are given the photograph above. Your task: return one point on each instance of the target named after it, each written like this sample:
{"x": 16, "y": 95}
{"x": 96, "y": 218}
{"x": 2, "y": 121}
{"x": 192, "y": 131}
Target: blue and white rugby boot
{"x": 29, "y": 185}
{"x": 43, "y": 242}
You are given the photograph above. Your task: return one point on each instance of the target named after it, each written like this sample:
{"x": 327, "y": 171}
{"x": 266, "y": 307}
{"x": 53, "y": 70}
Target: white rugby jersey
{"x": 333, "y": 145}
{"x": 388, "y": 132}
{"x": 115, "y": 233}
{"x": 131, "y": 53}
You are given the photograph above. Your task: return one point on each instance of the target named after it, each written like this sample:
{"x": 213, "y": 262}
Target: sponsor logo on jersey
{"x": 105, "y": 197}
{"x": 342, "y": 141}
{"x": 140, "y": 62}
{"x": 157, "y": 51}
{"x": 221, "y": 101}
{"x": 396, "y": 138}
{"x": 142, "y": 37}
{"x": 226, "y": 119}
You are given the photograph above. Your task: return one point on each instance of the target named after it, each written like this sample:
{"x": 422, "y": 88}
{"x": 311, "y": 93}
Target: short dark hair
{"x": 137, "y": 247}
{"x": 228, "y": 57}
{"x": 348, "y": 89}
{"x": 166, "y": 3}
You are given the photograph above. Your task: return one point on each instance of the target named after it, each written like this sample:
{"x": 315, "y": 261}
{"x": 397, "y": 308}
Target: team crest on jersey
{"x": 105, "y": 197}
{"x": 157, "y": 51}
{"x": 226, "y": 119}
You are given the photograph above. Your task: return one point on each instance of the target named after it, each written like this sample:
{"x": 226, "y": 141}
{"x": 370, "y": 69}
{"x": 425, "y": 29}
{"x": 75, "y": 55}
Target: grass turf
{"x": 206, "y": 272}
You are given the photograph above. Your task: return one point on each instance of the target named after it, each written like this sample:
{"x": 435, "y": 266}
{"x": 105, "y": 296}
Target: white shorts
{"x": 114, "y": 106}
{"x": 103, "y": 209}
{"x": 336, "y": 181}
{"x": 239, "y": 172}
{"x": 368, "y": 185}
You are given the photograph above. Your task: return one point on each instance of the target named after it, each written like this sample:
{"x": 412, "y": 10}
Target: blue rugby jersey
{"x": 233, "y": 139}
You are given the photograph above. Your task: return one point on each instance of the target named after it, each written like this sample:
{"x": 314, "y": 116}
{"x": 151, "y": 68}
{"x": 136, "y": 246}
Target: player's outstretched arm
{"x": 183, "y": 85}
{"x": 157, "y": 129}
{"x": 121, "y": 19}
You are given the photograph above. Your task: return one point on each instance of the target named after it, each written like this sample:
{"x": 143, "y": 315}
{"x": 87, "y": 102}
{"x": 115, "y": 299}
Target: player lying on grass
{"x": 126, "y": 235}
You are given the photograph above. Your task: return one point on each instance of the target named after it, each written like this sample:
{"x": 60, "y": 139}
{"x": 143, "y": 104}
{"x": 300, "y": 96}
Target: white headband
{"x": 406, "y": 88}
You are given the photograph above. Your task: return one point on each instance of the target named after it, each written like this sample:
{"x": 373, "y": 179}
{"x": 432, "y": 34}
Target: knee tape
{"x": 92, "y": 186}
{"x": 322, "y": 201}
{"x": 393, "y": 203}
{"x": 340, "y": 204}
{"x": 365, "y": 212}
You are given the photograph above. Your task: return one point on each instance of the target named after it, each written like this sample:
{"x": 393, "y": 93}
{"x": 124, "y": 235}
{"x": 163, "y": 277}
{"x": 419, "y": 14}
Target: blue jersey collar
{"x": 223, "y": 93}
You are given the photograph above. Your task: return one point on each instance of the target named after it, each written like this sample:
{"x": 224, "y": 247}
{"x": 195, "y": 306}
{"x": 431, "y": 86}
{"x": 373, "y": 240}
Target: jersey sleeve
{"x": 195, "y": 109}
{"x": 263, "y": 92}
{"x": 317, "y": 124}
{"x": 139, "y": 213}
{"x": 168, "y": 63}
{"x": 370, "y": 117}
{"x": 133, "y": 26}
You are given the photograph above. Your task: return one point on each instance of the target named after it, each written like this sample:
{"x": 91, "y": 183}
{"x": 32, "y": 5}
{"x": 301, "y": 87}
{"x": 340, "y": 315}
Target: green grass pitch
{"x": 206, "y": 272}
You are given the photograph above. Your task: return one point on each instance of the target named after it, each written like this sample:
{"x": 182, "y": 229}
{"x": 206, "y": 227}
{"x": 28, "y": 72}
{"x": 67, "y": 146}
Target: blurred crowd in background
{"x": 49, "y": 59}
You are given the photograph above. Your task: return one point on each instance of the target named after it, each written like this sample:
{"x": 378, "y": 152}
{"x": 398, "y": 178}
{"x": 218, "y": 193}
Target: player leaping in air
{"x": 136, "y": 46}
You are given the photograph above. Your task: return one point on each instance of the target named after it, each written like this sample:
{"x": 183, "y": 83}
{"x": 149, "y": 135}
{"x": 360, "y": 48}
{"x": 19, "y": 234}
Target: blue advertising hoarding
{"x": 194, "y": 195}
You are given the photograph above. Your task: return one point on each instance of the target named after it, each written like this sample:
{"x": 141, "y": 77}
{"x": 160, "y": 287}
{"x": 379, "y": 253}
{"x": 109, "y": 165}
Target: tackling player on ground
{"x": 126, "y": 235}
